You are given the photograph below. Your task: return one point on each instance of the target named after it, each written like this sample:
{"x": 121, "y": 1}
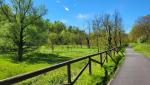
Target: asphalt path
{"x": 134, "y": 71}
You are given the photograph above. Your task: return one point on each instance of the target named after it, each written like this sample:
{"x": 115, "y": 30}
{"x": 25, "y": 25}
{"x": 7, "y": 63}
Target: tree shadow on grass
{"x": 9, "y": 56}
{"x": 45, "y": 58}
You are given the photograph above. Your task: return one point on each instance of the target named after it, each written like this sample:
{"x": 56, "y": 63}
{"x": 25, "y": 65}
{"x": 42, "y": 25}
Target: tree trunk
{"x": 20, "y": 52}
{"x": 120, "y": 42}
{"x": 88, "y": 42}
{"x": 20, "y": 45}
{"x": 109, "y": 38}
{"x": 52, "y": 46}
{"x": 81, "y": 44}
{"x": 97, "y": 43}
{"x": 115, "y": 38}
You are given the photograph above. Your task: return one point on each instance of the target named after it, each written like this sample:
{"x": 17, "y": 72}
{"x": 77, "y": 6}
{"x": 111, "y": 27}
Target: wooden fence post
{"x": 106, "y": 57}
{"x": 69, "y": 73}
{"x": 90, "y": 66}
{"x": 101, "y": 60}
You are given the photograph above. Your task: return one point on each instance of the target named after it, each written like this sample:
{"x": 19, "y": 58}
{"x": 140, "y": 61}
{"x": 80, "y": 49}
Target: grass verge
{"x": 143, "y": 48}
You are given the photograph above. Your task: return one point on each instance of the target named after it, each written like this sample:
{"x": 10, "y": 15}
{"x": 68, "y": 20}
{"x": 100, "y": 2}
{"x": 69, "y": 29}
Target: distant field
{"x": 142, "y": 48}
{"x": 44, "y": 57}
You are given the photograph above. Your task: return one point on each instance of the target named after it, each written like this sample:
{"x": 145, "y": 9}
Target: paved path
{"x": 134, "y": 71}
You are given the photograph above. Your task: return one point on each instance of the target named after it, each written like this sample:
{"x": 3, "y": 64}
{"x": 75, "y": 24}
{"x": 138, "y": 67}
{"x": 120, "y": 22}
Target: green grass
{"x": 44, "y": 57}
{"x": 142, "y": 48}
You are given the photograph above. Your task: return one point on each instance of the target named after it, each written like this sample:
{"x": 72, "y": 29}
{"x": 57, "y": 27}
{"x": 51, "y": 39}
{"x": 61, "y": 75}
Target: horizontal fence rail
{"x": 22, "y": 77}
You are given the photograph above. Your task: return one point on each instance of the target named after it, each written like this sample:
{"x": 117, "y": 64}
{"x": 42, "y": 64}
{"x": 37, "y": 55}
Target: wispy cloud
{"x": 66, "y": 8}
{"x": 83, "y": 16}
{"x": 63, "y": 5}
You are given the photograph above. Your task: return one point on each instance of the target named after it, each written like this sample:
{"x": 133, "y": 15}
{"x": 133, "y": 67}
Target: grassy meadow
{"x": 143, "y": 48}
{"x": 43, "y": 57}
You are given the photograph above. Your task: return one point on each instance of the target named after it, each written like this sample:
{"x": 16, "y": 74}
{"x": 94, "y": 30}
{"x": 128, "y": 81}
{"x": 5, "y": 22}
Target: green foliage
{"x": 37, "y": 34}
{"x": 142, "y": 48}
{"x": 25, "y": 21}
{"x": 141, "y": 30}
{"x": 57, "y": 27}
{"x": 108, "y": 30}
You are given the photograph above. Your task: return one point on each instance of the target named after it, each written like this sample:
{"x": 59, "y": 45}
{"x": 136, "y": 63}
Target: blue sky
{"x": 78, "y": 12}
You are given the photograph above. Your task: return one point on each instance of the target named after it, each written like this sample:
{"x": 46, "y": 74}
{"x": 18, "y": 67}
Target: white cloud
{"x": 60, "y": 3}
{"x": 66, "y": 9}
{"x": 83, "y": 16}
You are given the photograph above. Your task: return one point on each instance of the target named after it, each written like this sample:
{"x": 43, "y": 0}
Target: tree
{"x": 57, "y": 27}
{"x": 52, "y": 39}
{"x": 141, "y": 30}
{"x": 80, "y": 37}
{"x": 108, "y": 26}
{"x": 108, "y": 29}
{"x": 117, "y": 29}
{"x": 96, "y": 28}
{"x": 88, "y": 35}
{"x": 23, "y": 14}
{"x": 4, "y": 40}
{"x": 38, "y": 33}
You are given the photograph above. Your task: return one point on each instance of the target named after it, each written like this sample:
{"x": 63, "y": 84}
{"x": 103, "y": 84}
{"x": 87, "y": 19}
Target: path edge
{"x": 116, "y": 72}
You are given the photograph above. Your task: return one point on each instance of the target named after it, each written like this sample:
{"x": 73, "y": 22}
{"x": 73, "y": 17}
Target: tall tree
{"x": 23, "y": 14}
{"x": 108, "y": 26}
{"x": 117, "y": 29}
{"x": 88, "y": 35}
{"x": 96, "y": 28}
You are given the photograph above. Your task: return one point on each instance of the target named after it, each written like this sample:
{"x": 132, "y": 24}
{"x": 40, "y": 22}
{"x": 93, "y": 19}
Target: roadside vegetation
{"x": 143, "y": 48}
{"x": 140, "y": 35}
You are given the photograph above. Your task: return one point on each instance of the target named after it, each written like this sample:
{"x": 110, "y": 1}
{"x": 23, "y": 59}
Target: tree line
{"x": 141, "y": 30}
{"x": 23, "y": 29}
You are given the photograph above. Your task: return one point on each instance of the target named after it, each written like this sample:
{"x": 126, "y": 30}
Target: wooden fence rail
{"x": 19, "y": 78}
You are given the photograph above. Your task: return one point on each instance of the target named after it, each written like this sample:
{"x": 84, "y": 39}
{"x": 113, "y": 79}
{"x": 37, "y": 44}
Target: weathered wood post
{"x": 106, "y": 57}
{"x": 69, "y": 74}
{"x": 101, "y": 59}
{"x": 90, "y": 66}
